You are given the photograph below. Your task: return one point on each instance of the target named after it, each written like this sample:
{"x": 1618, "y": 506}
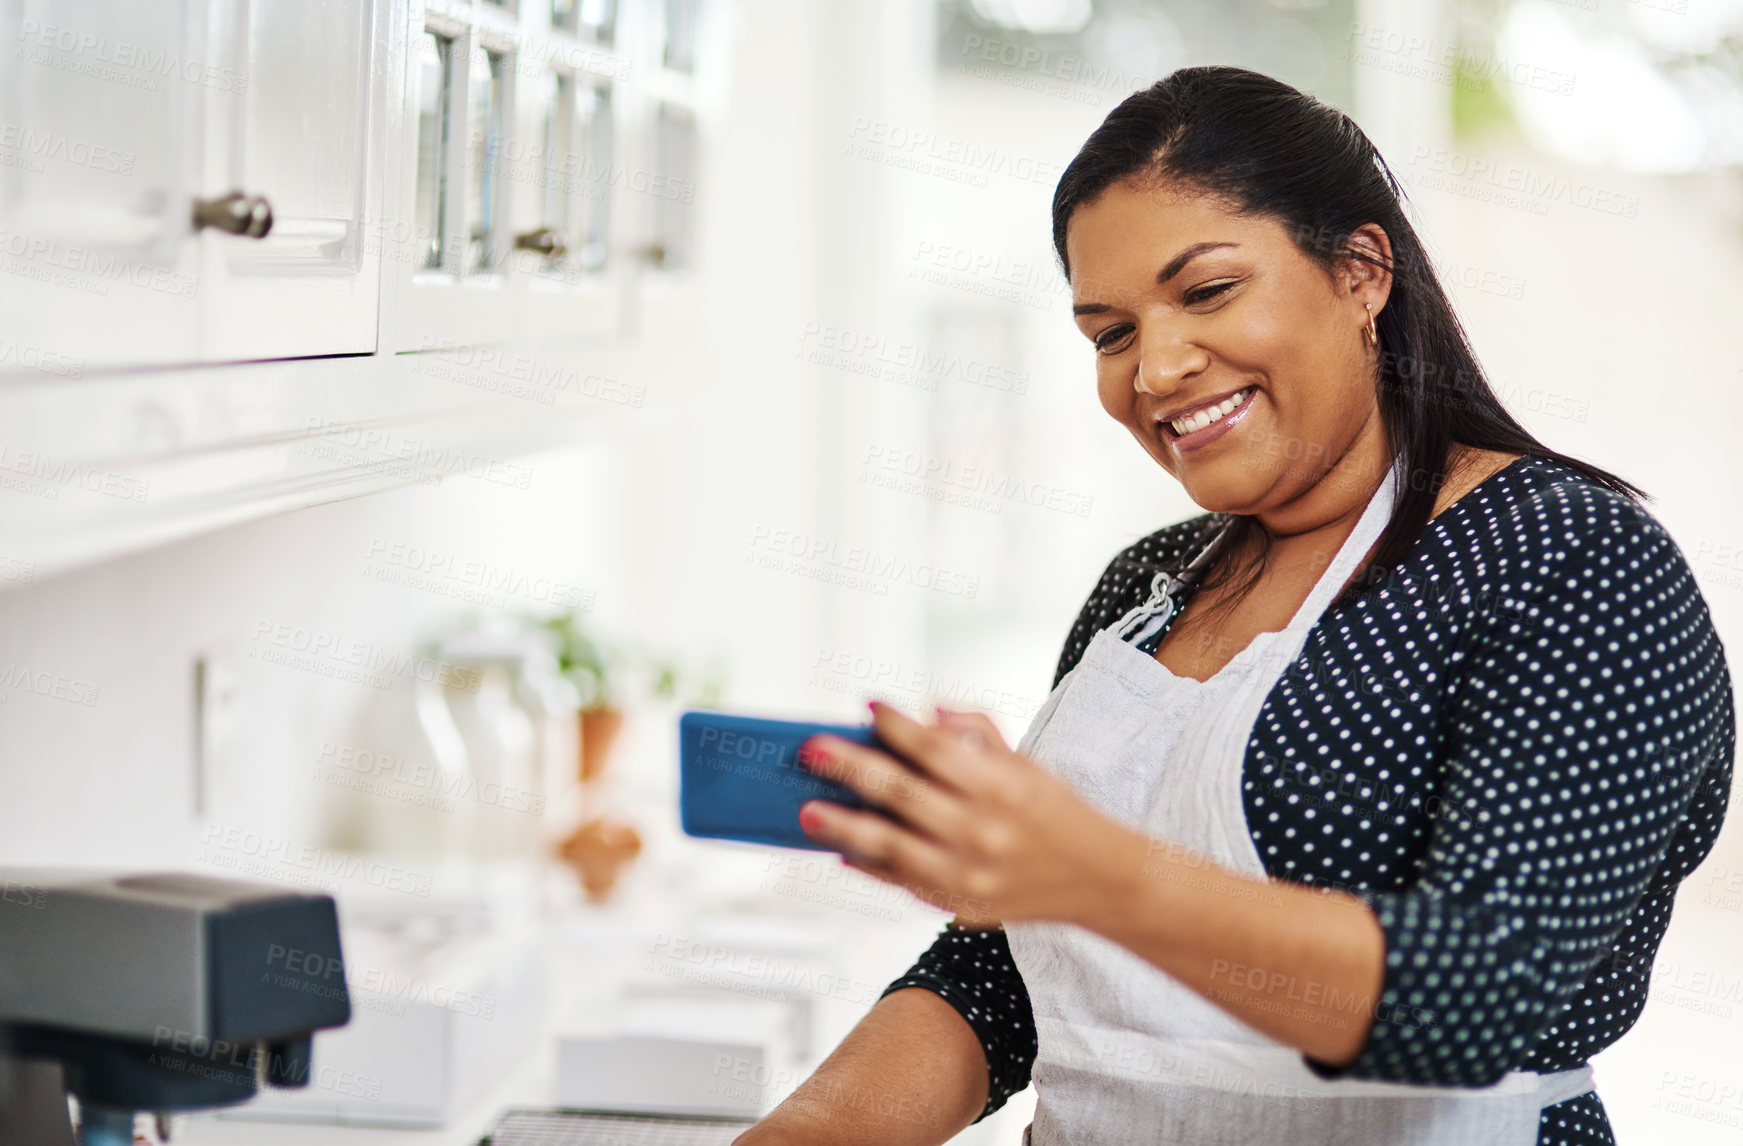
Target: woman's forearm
{"x": 1301, "y": 965}
{"x": 976, "y": 821}
{"x": 911, "y": 1073}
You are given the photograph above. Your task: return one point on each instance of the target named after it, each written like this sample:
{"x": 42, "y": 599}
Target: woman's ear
{"x": 1366, "y": 272}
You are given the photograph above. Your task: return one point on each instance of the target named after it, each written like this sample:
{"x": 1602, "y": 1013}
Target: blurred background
{"x": 609, "y": 358}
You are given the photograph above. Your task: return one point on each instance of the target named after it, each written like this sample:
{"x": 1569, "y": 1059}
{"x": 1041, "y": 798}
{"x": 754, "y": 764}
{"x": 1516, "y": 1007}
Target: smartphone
{"x": 739, "y": 777}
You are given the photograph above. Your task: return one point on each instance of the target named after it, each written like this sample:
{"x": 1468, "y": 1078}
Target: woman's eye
{"x": 1109, "y": 340}
{"x": 1206, "y": 293}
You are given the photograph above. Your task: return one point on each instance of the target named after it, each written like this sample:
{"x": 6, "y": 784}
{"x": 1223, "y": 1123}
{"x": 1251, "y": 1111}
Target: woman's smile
{"x": 1204, "y": 425}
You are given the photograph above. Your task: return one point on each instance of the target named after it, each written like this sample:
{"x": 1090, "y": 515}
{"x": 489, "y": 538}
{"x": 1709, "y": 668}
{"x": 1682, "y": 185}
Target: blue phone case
{"x": 739, "y": 778}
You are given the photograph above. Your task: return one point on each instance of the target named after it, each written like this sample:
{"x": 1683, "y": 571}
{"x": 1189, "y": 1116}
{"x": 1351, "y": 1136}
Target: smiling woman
{"x": 1360, "y": 801}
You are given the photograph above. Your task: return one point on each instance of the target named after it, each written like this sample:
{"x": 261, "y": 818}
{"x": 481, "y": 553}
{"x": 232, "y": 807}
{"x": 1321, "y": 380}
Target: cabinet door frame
{"x": 255, "y": 310}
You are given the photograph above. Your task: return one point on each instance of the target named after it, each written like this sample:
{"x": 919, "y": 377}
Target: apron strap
{"x": 1375, "y": 517}
{"x": 1563, "y": 1085}
{"x": 1160, "y": 604}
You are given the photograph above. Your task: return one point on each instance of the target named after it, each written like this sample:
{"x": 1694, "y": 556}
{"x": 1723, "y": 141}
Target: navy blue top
{"x": 1513, "y": 749}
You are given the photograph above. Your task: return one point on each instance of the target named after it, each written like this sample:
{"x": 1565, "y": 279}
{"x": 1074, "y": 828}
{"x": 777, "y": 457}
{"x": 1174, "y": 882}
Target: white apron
{"x": 1127, "y": 1054}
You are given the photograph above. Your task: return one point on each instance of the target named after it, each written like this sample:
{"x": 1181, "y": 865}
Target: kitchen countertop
{"x": 600, "y": 960}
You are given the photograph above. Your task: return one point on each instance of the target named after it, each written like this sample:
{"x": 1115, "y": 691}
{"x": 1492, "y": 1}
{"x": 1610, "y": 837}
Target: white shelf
{"x": 109, "y": 464}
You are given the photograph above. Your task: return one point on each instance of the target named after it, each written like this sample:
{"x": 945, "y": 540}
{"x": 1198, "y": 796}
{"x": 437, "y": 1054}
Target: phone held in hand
{"x": 739, "y": 777}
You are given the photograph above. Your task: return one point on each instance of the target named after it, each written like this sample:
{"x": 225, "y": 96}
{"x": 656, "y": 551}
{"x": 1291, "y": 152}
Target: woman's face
{"x": 1189, "y": 304}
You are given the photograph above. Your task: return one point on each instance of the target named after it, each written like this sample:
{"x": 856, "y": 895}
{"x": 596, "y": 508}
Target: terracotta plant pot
{"x": 599, "y": 729}
{"x": 599, "y": 850}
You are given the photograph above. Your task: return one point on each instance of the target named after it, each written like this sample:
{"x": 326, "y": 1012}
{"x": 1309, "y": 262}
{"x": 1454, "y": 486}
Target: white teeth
{"x": 1208, "y": 415}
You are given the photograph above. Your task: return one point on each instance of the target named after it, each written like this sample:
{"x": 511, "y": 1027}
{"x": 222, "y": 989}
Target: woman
{"x": 1359, "y": 804}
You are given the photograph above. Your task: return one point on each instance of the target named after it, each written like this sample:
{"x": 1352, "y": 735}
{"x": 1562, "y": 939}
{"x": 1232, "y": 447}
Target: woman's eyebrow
{"x": 1174, "y": 267}
{"x": 1178, "y": 262}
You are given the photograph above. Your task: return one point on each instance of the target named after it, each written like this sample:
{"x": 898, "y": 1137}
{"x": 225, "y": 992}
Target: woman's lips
{"x": 1198, "y": 439}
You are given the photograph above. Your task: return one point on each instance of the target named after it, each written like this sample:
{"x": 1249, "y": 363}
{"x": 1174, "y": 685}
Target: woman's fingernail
{"x": 810, "y": 819}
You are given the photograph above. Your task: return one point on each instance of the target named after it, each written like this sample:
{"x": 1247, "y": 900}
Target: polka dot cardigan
{"x": 1512, "y": 749}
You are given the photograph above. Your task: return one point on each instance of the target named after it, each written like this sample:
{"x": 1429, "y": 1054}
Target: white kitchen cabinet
{"x": 121, "y": 117}
{"x": 99, "y": 146}
{"x": 298, "y": 133}
{"x": 465, "y": 199}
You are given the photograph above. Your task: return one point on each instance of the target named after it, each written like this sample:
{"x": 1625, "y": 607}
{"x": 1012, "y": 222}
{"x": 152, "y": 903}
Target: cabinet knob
{"x": 235, "y": 214}
{"x": 543, "y": 241}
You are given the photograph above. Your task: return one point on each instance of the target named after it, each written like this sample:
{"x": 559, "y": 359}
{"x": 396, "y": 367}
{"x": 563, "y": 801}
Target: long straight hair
{"x": 1276, "y": 152}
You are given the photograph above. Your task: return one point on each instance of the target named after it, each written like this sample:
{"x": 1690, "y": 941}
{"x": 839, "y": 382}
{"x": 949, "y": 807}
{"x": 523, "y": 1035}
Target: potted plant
{"x": 608, "y": 677}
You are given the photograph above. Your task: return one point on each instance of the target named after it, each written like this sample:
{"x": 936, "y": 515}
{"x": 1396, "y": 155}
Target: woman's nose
{"x": 1162, "y": 366}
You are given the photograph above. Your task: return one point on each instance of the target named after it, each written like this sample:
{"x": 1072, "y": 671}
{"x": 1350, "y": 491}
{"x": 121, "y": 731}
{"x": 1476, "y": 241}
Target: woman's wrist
{"x": 1114, "y": 881}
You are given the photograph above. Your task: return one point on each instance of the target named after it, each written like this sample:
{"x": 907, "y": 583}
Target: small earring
{"x": 1373, "y": 333}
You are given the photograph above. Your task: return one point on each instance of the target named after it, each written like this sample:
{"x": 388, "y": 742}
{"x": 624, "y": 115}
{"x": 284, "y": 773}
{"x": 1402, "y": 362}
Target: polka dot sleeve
{"x": 1578, "y": 736}
{"x": 972, "y": 970}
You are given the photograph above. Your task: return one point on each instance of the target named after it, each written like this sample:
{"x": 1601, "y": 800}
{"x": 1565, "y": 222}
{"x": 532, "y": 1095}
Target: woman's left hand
{"x": 979, "y": 829}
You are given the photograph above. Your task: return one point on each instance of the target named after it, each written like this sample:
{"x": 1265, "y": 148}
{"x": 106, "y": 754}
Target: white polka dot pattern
{"x": 1513, "y": 749}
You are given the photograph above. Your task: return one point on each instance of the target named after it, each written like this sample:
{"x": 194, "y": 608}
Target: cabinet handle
{"x": 235, "y": 214}
{"x": 543, "y": 241}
